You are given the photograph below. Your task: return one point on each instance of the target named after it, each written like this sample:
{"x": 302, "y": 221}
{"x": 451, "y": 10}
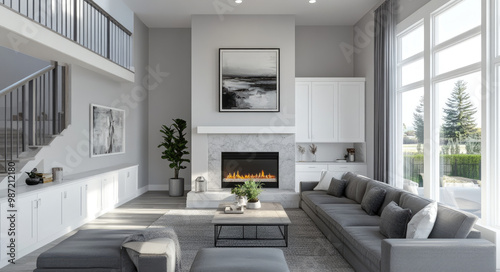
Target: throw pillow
{"x": 158, "y": 246}
{"x": 393, "y": 221}
{"x": 372, "y": 200}
{"x": 420, "y": 226}
{"x": 337, "y": 187}
{"x": 324, "y": 183}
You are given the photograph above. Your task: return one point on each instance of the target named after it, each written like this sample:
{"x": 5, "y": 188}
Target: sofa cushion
{"x": 337, "y": 187}
{"x": 314, "y": 198}
{"x": 413, "y": 202}
{"x": 420, "y": 226}
{"x": 356, "y": 186}
{"x": 337, "y": 218}
{"x": 366, "y": 241}
{"x": 451, "y": 223}
{"x": 394, "y": 220}
{"x": 89, "y": 249}
{"x": 372, "y": 200}
{"x": 392, "y": 194}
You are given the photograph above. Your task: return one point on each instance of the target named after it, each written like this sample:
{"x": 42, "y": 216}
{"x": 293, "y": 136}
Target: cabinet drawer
{"x": 311, "y": 167}
{"x": 360, "y": 169}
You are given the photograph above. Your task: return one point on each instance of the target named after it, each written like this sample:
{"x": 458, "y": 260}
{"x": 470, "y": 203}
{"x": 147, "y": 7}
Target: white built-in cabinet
{"x": 46, "y": 212}
{"x": 330, "y": 110}
{"x": 312, "y": 171}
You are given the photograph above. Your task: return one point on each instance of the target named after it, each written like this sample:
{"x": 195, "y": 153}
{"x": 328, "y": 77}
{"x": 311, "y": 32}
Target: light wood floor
{"x": 138, "y": 213}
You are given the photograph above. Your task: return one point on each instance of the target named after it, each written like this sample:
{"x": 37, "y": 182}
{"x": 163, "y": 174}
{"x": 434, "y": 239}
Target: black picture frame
{"x": 249, "y": 80}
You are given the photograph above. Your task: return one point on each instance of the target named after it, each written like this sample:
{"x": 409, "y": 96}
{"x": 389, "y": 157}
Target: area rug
{"x": 308, "y": 248}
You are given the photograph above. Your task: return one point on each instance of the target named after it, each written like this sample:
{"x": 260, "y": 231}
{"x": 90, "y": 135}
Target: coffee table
{"x": 270, "y": 214}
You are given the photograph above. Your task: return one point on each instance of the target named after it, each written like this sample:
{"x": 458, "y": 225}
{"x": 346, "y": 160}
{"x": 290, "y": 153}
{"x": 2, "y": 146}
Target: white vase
{"x": 241, "y": 200}
{"x": 253, "y": 205}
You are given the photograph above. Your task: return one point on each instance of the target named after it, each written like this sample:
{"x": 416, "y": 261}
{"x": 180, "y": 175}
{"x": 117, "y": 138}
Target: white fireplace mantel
{"x": 245, "y": 130}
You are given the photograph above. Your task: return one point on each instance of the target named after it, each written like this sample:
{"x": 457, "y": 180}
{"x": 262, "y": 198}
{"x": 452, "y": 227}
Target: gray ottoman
{"x": 239, "y": 259}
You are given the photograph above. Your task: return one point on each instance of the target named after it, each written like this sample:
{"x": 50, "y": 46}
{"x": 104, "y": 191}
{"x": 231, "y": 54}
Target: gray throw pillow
{"x": 394, "y": 220}
{"x": 337, "y": 187}
{"x": 372, "y": 200}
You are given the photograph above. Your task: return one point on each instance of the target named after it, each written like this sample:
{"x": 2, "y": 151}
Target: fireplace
{"x": 238, "y": 167}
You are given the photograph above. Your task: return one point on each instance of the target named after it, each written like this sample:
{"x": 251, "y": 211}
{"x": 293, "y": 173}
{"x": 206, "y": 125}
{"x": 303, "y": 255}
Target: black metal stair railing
{"x": 82, "y": 21}
{"x": 32, "y": 111}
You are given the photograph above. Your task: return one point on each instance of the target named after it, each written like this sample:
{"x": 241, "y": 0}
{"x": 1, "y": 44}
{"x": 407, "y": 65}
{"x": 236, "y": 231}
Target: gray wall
{"x": 209, "y": 33}
{"x": 14, "y": 66}
{"x": 318, "y": 51}
{"x": 170, "y": 51}
{"x": 364, "y": 66}
{"x": 71, "y": 151}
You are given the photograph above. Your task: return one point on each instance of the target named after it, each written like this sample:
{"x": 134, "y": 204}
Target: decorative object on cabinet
{"x": 175, "y": 144}
{"x": 249, "y": 80}
{"x": 302, "y": 150}
{"x": 33, "y": 178}
{"x": 313, "y": 149}
{"x": 57, "y": 174}
{"x": 350, "y": 154}
{"x": 107, "y": 131}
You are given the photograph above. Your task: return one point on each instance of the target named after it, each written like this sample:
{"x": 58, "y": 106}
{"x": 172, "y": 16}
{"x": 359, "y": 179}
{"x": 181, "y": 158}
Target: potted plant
{"x": 241, "y": 193}
{"x": 253, "y": 189}
{"x": 175, "y": 145}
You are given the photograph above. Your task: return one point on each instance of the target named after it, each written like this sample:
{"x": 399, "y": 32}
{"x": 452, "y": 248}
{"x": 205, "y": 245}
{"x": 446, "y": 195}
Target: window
{"x": 439, "y": 106}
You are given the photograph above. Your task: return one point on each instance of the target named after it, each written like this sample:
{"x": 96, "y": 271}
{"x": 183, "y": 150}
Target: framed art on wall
{"x": 249, "y": 80}
{"x": 107, "y": 131}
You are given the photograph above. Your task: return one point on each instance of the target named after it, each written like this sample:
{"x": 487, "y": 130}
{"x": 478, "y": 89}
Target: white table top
{"x": 271, "y": 213}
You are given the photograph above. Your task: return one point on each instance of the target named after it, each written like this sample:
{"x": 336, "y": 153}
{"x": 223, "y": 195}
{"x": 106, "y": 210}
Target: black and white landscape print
{"x": 249, "y": 79}
{"x": 107, "y": 131}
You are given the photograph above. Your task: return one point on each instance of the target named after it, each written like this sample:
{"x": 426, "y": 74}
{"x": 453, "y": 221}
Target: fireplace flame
{"x": 260, "y": 175}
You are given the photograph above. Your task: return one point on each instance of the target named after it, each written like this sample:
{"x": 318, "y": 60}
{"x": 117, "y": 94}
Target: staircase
{"x": 32, "y": 114}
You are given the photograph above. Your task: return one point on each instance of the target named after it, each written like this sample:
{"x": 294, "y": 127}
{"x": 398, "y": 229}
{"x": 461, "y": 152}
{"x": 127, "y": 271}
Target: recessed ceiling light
{"x": 238, "y": 1}
{"x": 312, "y": 1}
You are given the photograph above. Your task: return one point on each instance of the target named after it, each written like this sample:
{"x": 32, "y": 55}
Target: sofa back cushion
{"x": 356, "y": 186}
{"x": 452, "y": 223}
{"x": 413, "y": 202}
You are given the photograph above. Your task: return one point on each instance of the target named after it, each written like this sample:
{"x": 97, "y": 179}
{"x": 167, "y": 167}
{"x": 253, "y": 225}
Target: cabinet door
{"x": 351, "y": 107}
{"x": 131, "y": 185}
{"x": 109, "y": 192}
{"x": 302, "y": 112}
{"x": 72, "y": 208}
{"x": 27, "y": 228}
{"x": 323, "y": 111}
{"x": 93, "y": 198}
{"x": 49, "y": 213}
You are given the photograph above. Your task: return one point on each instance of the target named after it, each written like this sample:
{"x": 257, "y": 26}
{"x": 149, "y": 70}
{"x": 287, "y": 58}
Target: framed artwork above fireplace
{"x": 249, "y": 80}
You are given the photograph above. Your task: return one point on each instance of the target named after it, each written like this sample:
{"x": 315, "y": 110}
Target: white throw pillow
{"x": 324, "y": 182}
{"x": 411, "y": 187}
{"x": 157, "y": 246}
{"x": 420, "y": 226}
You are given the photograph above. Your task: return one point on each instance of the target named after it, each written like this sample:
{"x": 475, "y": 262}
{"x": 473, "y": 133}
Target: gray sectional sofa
{"x": 451, "y": 246}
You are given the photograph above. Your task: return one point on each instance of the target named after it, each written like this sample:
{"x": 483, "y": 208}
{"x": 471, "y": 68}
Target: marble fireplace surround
{"x": 248, "y": 139}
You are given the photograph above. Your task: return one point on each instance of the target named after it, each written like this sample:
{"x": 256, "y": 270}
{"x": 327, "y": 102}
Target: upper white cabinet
{"x": 330, "y": 110}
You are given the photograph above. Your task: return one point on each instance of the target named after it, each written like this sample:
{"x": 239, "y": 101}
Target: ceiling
{"x": 177, "y": 13}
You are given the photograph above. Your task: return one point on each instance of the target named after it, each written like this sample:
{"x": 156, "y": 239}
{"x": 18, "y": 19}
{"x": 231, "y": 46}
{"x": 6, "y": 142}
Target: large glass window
{"x": 461, "y": 17}
{"x": 449, "y": 146}
{"x": 460, "y": 142}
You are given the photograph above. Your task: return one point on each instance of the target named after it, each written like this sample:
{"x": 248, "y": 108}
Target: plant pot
{"x": 253, "y": 205}
{"x": 176, "y": 187}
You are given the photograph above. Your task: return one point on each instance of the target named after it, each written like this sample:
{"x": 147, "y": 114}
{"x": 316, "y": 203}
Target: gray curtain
{"x": 385, "y": 73}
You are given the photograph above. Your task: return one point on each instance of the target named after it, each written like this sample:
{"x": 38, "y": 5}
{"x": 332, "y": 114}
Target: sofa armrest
{"x": 307, "y": 185}
{"x": 402, "y": 255}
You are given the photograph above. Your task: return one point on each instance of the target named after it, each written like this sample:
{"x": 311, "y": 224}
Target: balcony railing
{"x": 82, "y": 21}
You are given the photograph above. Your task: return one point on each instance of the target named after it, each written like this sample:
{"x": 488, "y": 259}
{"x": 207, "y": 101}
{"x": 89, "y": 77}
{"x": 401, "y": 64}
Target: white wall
{"x": 209, "y": 33}
{"x": 170, "y": 51}
{"x": 14, "y": 66}
{"x": 71, "y": 151}
{"x": 318, "y": 51}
